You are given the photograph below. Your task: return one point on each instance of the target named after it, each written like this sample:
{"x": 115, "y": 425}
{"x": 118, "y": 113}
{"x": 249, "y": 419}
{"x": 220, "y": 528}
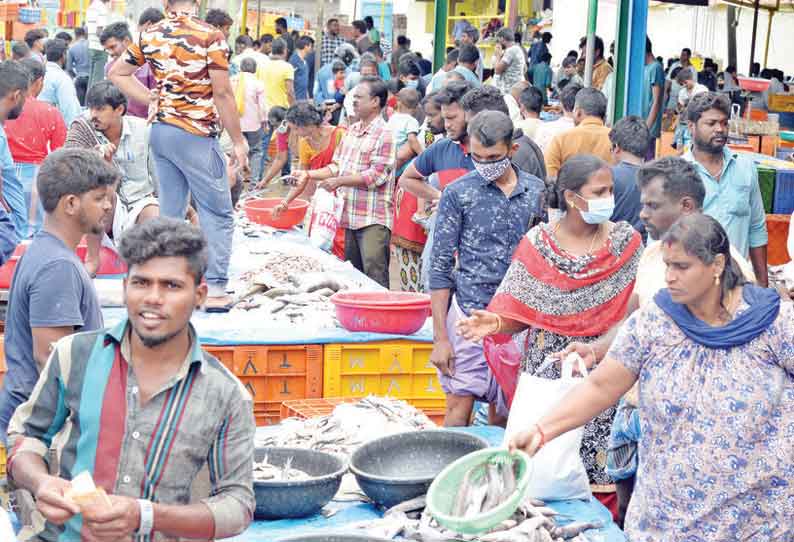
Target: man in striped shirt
{"x": 141, "y": 408}
{"x": 363, "y": 170}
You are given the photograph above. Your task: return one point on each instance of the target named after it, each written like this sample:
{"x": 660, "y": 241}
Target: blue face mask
{"x": 598, "y": 210}
{"x": 412, "y": 83}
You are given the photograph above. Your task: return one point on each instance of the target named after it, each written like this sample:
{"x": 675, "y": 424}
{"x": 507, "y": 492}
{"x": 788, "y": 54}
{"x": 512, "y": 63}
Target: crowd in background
{"x": 498, "y": 185}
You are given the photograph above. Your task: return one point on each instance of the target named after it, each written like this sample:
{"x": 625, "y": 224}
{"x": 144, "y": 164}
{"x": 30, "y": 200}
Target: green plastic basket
{"x": 766, "y": 182}
{"x": 444, "y": 489}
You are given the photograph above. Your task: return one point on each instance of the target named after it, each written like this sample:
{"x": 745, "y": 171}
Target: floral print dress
{"x": 716, "y": 456}
{"x": 542, "y": 343}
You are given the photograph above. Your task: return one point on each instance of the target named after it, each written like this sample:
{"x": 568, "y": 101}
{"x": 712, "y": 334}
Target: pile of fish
{"x": 266, "y": 472}
{"x": 486, "y": 486}
{"x": 532, "y": 522}
{"x": 283, "y": 266}
{"x": 349, "y": 426}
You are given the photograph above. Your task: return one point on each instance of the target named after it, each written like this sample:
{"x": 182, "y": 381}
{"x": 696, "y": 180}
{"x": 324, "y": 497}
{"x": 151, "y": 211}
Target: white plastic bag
{"x": 326, "y": 215}
{"x": 557, "y": 469}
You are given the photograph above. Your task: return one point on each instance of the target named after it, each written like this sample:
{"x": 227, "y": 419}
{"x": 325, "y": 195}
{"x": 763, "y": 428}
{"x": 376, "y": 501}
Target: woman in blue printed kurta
{"x": 715, "y": 362}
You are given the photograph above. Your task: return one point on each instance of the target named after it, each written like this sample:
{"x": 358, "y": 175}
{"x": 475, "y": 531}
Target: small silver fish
{"x": 575, "y": 529}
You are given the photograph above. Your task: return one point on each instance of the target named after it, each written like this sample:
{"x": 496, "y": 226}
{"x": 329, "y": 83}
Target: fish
{"x": 485, "y": 486}
{"x": 575, "y": 529}
{"x": 265, "y": 471}
{"x": 348, "y": 426}
{"x": 417, "y": 503}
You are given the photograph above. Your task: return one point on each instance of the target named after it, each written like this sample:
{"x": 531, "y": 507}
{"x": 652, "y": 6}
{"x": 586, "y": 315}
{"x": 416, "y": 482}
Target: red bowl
{"x": 260, "y": 210}
{"x": 384, "y": 300}
{"x": 110, "y": 263}
{"x": 7, "y": 269}
{"x": 753, "y": 84}
{"x": 382, "y": 312}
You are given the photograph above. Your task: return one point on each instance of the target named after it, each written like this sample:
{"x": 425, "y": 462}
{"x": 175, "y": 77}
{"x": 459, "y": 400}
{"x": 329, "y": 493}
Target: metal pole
{"x": 623, "y": 35}
{"x": 440, "y": 34}
{"x": 592, "y": 19}
{"x": 755, "y": 32}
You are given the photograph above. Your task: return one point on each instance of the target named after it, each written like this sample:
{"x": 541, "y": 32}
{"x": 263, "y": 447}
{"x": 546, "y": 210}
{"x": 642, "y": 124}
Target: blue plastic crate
{"x": 783, "y": 203}
{"x": 29, "y": 15}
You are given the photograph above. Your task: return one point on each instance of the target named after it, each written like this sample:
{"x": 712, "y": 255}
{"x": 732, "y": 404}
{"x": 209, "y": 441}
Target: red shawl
{"x": 584, "y": 300}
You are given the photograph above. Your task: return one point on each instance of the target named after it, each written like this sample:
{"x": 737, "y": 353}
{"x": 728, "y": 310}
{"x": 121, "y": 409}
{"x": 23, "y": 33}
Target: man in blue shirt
{"x": 468, "y": 57}
{"x": 481, "y": 219}
{"x": 58, "y": 86}
{"x": 303, "y": 47}
{"x": 652, "y": 98}
{"x": 733, "y": 196}
{"x": 14, "y": 83}
{"x": 630, "y": 138}
{"x": 77, "y": 58}
{"x": 52, "y": 295}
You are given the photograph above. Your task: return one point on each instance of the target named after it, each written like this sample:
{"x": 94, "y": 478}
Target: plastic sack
{"x": 326, "y": 214}
{"x": 504, "y": 359}
{"x": 558, "y": 472}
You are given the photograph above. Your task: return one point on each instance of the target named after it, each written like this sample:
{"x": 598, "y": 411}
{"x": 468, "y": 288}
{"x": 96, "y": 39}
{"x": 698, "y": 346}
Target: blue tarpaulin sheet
{"x": 252, "y": 327}
{"x": 348, "y": 513}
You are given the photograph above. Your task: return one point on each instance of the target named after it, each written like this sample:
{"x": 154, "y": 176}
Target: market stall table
{"x": 258, "y": 327}
{"x": 347, "y": 513}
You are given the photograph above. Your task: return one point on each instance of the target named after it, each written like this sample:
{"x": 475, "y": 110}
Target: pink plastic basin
{"x": 399, "y": 313}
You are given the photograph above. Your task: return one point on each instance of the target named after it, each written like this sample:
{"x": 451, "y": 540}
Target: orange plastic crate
{"x": 310, "y": 408}
{"x": 273, "y": 374}
{"x": 777, "y": 228}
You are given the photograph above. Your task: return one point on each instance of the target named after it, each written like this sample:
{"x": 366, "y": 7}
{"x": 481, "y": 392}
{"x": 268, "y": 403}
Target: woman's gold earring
{"x": 717, "y": 280}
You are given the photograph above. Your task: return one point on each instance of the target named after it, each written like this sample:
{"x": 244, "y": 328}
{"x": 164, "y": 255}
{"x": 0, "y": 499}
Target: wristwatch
{"x": 147, "y": 517}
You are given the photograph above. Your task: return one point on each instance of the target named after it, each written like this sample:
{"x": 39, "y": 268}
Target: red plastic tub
{"x": 7, "y": 269}
{"x": 399, "y": 313}
{"x": 260, "y": 210}
{"x": 110, "y": 263}
{"x": 753, "y": 84}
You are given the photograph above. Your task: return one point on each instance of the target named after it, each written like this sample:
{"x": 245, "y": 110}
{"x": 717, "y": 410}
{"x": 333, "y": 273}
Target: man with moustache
{"x": 52, "y": 295}
{"x": 154, "y": 410}
{"x": 733, "y": 196}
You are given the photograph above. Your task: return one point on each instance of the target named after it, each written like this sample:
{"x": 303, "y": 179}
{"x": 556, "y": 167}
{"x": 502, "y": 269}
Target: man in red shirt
{"x": 38, "y": 131}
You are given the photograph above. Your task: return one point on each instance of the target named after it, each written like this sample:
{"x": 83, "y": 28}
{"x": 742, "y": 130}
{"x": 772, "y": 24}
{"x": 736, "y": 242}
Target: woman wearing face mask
{"x": 570, "y": 279}
{"x": 714, "y": 360}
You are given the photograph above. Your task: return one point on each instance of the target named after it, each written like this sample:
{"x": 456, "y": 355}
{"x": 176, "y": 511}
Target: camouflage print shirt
{"x": 181, "y": 50}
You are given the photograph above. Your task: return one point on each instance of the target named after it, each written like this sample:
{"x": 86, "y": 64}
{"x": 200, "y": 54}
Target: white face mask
{"x": 599, "y": 210}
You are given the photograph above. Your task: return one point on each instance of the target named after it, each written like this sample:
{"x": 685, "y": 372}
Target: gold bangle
{"x": 498, "y": 325}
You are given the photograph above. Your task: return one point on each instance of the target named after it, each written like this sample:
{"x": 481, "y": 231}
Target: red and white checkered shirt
{"x": 367, "y": 151}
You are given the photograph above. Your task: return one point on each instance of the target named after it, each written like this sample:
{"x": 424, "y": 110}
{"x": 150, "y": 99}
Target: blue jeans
{"x": 26, "y": 173}
{"x": 189, "y": 164}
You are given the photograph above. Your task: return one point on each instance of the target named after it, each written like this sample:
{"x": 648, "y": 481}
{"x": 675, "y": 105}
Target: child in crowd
{"x": 403, "y": 123}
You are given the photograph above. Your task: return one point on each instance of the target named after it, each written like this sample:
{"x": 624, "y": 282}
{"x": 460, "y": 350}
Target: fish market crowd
{"x": 611, "y": 310}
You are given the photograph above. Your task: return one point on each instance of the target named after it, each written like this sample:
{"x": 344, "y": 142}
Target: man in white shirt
{"x": 546, "y": 131}
{"x": 96, "y": 18}
{"x": 244, "y": 48}
{"x": 689, "y": 86}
